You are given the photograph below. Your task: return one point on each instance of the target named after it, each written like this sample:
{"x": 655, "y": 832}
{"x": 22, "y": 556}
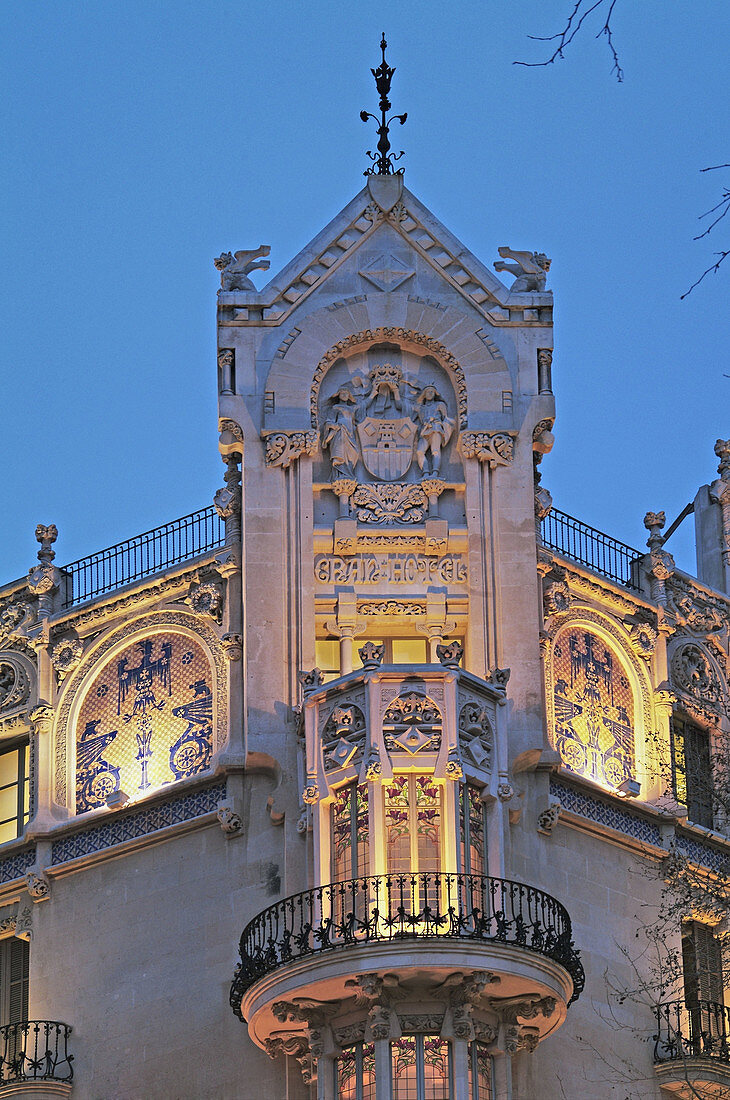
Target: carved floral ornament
{"x": 693, "y": 674}
{"x": 14, "y": 683}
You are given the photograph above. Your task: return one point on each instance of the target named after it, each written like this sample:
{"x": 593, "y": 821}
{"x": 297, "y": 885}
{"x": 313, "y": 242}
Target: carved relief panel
{"x": 388, "y": 421}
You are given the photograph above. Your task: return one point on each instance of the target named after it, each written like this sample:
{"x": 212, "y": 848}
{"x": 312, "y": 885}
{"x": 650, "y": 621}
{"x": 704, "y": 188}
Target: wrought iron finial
{"x": 383, "y": 160}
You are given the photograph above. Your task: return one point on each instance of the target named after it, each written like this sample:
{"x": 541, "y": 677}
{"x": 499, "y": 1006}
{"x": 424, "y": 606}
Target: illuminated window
{"x": 14, "y": 791}
{"x": 355, "y": 1073}
{"x": 472, "y": 830}
{"x": 480, "y": 1072}
{"x": 412, "y": 825}
{"x": 349, "y": 839}
{"x": 692, "y": 770}
{"x": 14, "y": 964}
{"x": 145, "y": 721}
{"x": 594, "y": 708}
{"x": 421, "y": 1068}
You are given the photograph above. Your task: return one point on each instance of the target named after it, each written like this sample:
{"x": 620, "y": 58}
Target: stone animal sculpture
{"x": 531, "y": 269}
{"x": 234, "y": 267}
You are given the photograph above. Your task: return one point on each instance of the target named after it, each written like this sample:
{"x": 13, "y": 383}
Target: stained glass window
{"x": 421, "y": 1068}
{"x": 480, "y": 1072}
{"x": 145, "y": 721}
{"x": 349, "y": 839}
{"x": 355, "y": 1073}
{"x": 472, "y": 830}
{"x": 412, "y": 824}
{"x": 594, "y": 708}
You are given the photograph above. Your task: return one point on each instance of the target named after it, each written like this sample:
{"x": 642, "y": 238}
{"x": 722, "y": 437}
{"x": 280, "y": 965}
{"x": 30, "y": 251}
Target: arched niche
{"x": 315, "y": 342}
{"x": 147, "y": 707}
{"x": 598, "y": 700}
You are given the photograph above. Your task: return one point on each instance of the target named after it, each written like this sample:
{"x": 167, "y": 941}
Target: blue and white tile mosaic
{"x": 705, "y": 855}
{"x": 16, "y": 866}
{"x": 613, "y": 817}
{"x": 134, "y": 825}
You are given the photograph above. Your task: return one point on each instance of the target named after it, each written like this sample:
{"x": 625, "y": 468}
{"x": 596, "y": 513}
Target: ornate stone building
{"x": 382, "y": 714}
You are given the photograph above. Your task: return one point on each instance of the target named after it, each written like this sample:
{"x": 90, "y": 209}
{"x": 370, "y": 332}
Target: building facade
{"x": 382, "y": 729}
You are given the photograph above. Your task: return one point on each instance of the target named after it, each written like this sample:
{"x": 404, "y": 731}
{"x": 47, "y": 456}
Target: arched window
{"x": 593, "y": 706}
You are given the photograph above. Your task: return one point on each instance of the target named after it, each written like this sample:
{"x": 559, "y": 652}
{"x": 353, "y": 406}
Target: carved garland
{"x": 157, "y": 621}
{"x": 585, "y": 616}
{"x": 394, "y": 334}
{"x": 282, "y": 448}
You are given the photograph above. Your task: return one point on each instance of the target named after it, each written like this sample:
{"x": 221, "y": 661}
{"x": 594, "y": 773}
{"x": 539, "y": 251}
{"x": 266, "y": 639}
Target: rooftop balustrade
{"x": 597, "y": 551}
{"x": 143, "y": 556}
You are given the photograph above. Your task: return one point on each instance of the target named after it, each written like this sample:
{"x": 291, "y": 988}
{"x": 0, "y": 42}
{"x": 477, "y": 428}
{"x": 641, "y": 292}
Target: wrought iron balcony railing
{"x": 35, "y": 1050}
{"x": 144, "y": 555}
{"x": 394, "y": 908}
{"x": 592, "y": 548}
{"x": 697, "y": 1030}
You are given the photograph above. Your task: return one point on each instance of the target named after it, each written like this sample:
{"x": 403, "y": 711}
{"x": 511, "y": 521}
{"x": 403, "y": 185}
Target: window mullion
{"x": 420, "y": 1069}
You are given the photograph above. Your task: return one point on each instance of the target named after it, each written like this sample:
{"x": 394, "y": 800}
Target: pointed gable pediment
{"x": 381, "y": 234}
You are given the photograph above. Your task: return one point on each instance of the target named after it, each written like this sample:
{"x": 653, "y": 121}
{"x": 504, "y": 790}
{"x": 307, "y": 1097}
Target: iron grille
{"x": 144, "y": 555}
{"x": 35, "y": 1050}
{"x": 588, "y": 546}
{"x": 692, "y": 1029}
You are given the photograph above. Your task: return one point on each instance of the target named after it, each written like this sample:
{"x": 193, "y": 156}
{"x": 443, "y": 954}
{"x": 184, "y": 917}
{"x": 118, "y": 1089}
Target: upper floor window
{"x": 692, "y": 770}
{"x": 14, "y": 790}
{"x": 594, "y": 708}
{"x": 355, "y": 1073}
{"x": 350, "y": 841}
{"x": 701, "y": 964}
{"x": 14, "y": 966}
{"x": 145, "y": 720}
{"x": 472, "y": 830}
{"x": 413, "y": 825}
{"x": 480, "y": 1072}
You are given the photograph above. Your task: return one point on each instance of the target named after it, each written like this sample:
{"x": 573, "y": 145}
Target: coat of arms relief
{"x": 379, "y": 429}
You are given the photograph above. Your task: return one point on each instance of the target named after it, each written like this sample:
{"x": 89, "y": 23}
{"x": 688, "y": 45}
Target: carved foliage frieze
{"x": 282, "y": 448}
{"x": 496, "y": 448}
{"x": 693, "y": 674}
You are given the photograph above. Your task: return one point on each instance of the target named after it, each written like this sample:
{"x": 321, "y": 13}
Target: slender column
{"x": 383, "y": 1079}
{"x": 460, "y": 1065}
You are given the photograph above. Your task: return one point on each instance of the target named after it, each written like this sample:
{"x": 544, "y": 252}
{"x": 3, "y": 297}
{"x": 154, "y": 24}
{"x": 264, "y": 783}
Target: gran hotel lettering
{"x": 389, "y": 569}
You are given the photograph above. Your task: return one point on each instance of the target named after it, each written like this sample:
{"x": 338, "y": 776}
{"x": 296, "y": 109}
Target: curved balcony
{"x": 313, "y": 942}
{"x": 692, "y": 1048}
{"x": 34, "y": 1059}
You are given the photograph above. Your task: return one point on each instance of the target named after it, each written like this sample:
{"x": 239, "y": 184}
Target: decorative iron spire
{"x": 383, "y": 160}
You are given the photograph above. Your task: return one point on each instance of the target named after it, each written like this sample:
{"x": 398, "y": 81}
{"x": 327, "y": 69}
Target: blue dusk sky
{"x": 142, "y": 139}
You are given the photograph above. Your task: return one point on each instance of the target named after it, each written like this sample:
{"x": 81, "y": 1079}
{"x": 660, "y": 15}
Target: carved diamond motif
{"x": 386, "y": 272}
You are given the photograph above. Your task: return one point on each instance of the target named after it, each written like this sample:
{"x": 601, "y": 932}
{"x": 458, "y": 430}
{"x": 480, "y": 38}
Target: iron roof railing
{"x": 142, "y": 556}
{"x": 588, "y": 546}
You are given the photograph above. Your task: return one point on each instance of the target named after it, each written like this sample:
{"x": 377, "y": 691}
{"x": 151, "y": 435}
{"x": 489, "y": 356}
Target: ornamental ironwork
{"x": 383, "y": 160}
{"x": 698, "y": 1029}
{"x": 35, "y": 1050}
{"x": 394, "y": 908}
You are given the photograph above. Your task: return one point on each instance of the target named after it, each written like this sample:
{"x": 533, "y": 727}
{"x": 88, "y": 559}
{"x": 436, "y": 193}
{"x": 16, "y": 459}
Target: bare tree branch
{"x": 582, "y": 9}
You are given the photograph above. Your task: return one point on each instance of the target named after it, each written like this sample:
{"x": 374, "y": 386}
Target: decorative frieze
{"x": 391, "y": 608}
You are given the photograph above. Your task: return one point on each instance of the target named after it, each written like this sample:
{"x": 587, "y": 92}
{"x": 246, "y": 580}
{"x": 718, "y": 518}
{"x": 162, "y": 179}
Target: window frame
{"x": 689, "y": 772}
{"x": 21, "y": 817}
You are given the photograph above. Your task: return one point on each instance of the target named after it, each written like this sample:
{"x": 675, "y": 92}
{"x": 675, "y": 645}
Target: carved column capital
{"x": 283, "y": 447}
{"x": 496, "y": 448}
{"x": 41, "y": 718}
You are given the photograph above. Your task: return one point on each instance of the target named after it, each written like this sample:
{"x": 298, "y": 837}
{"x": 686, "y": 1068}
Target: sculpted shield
{"x": 387, "y": 446}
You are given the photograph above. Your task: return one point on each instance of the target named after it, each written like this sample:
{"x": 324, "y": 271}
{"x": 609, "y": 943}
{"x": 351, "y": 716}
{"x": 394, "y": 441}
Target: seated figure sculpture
{"x": 531, "y": 269}
{"x": 234, "y": 267}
